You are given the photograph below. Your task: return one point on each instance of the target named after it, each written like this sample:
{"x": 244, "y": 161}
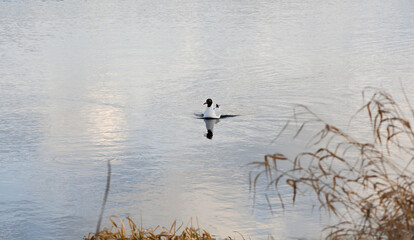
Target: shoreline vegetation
{"x": 121, "y": 232}
{"x": 367, "y": 185}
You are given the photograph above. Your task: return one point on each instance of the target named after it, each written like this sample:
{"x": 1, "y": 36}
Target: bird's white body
{"x": 211, "y": 112}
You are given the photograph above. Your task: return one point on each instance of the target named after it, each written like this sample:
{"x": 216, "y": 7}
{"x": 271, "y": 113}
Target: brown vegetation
{"x": 367, "y": 185}
{"x": 120, "y": 232}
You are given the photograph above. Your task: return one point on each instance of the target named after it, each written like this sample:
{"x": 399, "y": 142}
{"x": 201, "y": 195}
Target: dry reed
{"x": 367, "y": 185}
{"x": 120, "y": 232}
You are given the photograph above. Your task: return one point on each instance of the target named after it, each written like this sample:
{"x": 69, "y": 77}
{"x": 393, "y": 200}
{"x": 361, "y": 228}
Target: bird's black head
{"x": 209, "y": 102}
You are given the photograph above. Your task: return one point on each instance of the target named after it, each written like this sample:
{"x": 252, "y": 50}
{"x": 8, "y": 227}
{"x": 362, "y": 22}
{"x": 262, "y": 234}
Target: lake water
{"x": 84, "y": 82}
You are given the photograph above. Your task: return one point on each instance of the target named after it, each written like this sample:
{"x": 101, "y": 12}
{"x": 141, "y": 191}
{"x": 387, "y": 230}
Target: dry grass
{"x": 367, "y": 185}
{"x": 120, "y": 232}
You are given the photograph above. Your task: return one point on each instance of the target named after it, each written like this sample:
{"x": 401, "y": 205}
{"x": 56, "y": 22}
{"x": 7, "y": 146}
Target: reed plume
{"x": 368, "y": 185}
{"x": 119, "y": 231}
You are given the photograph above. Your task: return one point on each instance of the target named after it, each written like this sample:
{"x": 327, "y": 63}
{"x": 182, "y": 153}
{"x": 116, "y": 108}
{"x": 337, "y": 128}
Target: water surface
{"x": 83, "y": 82}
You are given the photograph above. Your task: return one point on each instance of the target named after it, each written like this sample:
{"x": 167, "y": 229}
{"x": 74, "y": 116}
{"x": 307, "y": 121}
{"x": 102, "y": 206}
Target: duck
{"x": 211, "y": 112}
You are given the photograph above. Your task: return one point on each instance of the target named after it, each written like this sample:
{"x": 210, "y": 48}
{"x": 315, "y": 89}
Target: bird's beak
{"x": 205, "y": 103}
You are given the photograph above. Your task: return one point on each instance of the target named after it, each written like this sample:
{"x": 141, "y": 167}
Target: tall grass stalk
{"x": 119, "y": 231}
{"x": 367, "y": 185}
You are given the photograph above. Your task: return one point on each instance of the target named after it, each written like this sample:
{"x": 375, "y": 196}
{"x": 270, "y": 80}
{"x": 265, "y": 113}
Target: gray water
{"x": 84, "y": 82}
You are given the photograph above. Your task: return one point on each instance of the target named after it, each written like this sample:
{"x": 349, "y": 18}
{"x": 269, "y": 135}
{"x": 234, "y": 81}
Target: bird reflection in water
{"x": 210, "y": 126}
